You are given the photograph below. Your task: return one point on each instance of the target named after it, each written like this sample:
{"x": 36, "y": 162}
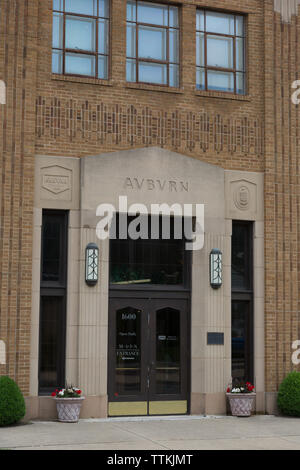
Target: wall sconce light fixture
{"x": 91, "y": 264}
{"x": 215, "y": 268}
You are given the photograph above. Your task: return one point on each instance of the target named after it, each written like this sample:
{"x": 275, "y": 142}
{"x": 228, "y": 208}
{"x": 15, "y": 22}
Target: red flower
{"x": 53, "y": 394}
{"x": 78, "y": 392}
{"x": 228, "y": 390}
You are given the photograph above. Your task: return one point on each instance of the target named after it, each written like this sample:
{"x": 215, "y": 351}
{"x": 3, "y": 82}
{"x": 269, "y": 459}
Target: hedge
{"x": 288, "y": 399}
{"x": 12, "y": 403}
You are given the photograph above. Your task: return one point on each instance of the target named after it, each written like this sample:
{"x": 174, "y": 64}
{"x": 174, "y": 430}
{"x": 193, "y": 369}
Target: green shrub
{"x": 288, "y": 399}
{"x": 12, "y": 404}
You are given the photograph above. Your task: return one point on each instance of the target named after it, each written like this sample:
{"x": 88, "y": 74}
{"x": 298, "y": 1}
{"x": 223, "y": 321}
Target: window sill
{"x": 222, "y": 95}
{"x": 75, "y": 79}
{"x": 145, "y": 86}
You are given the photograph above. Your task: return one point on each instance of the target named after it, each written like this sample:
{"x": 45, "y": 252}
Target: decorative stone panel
{"x": 244, "y": 195}
{"x": 57, "y": 182}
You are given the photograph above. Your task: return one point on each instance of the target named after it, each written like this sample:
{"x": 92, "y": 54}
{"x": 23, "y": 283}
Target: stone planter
{"x": 241, "y": 404}
{"x": 68, "y": 409}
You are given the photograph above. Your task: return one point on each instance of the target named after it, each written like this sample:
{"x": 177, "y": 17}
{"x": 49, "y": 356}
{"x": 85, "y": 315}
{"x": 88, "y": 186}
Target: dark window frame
{"x": 155, "y": 61}
{"x": 234, "y": 36}
{"x": 248, "y": 243}
{"x": 56, "y": 289}
{"x": 62, "y": 282}
{"x": 96, "y": 54}
{"x": 247, "y": 295}
{"x": 61, "y": 356}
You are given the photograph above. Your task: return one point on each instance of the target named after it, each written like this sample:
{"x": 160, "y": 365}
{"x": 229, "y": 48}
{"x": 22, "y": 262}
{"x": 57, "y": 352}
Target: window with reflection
{"x": 241, "y": 332}
{"x": 53, "y": 291}
{"x": 51, "y": 373}
{"x": 152, "y": 46}
{"x": 167, "y": 368}
{"x": 220, "y": 52}
{"x": 80, "y": 37}
{"x": 241, "y": 272}
{"x": 149, "y": 261}
{"x": 53, "y": 232}
{"x": 128, "y": 351}
{"x": 242, "y": 301}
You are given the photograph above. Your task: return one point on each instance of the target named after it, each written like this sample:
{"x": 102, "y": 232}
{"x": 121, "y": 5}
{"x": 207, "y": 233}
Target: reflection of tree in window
{"x": 242, "y": 300}
{"x": 147, "y": 261}
{"x": 240, "y": 257}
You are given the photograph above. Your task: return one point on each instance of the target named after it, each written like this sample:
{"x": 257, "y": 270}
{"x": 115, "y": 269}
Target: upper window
{"x": 241, "y": 261}
{"x": 80, "y": 40}
{"x": 152, "y": 43}
{"x": 220, "y": 48}
{"x": 53, "y": 270}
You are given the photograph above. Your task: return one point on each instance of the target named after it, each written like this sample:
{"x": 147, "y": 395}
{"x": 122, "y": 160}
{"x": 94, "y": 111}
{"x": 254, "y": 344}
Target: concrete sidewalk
{"x": 176, "y": 433}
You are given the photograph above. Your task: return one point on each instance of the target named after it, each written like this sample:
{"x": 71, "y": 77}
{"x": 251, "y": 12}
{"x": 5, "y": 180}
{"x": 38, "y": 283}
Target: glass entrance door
{"x": 148, "y": 360}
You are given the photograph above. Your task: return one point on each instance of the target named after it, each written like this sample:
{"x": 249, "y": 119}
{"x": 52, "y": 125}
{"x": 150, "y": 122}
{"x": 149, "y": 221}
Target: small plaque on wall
{"x": 215, "y": 338}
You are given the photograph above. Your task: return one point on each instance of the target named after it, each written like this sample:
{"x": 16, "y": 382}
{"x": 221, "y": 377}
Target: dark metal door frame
{"x": 149, "y": 304}
{"x": 117, "y": 304}
{"x": 155, "y": 306}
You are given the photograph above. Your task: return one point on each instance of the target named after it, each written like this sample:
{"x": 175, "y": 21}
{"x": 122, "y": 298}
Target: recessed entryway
{"x": 148, "y": 359}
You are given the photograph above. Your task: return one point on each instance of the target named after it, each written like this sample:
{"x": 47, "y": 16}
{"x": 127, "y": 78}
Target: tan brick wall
{"x": 48, "y": 114}
{"x": 18, "y": 21}
{"x": 282, "y": 196}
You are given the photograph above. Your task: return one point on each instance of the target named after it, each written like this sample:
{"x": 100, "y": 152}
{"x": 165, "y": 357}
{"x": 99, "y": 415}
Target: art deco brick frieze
{"x": 78, "y": 121}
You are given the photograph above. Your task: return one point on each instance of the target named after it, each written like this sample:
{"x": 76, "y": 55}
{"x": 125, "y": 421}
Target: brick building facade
{"x": 51, "y": 117}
